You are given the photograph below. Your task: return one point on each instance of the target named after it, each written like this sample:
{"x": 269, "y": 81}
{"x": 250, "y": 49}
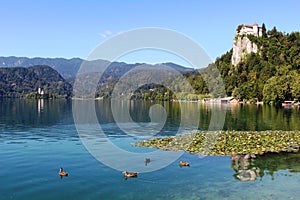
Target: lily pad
{"x": 228, "y": 143}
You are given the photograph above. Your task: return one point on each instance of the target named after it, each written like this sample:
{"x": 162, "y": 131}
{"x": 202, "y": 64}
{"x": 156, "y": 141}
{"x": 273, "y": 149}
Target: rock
{"x": 240, "y": 157}
{"x": 236, "y": 157}
{"x": 252, "y": 155}
{"x": 247, "y": 156}
{"x": 246, "y": 175}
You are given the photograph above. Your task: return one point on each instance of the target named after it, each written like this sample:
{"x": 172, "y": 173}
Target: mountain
{"x": 68, "y": 68}
{"x": 178, "y": 67}
{"x": 21, "y": 82}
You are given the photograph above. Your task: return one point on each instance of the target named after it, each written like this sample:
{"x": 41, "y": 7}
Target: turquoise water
{"x": 36, "y": 138}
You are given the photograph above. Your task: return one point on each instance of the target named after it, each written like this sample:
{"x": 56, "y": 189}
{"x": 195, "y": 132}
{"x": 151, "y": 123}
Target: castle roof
{"x": 248, "y": 26}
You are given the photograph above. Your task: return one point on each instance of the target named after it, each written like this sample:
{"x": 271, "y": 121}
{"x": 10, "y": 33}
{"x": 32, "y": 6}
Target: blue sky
{"x": 61, "y": 28}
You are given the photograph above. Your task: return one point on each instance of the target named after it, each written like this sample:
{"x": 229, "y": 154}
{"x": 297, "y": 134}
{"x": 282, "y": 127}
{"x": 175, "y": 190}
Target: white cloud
{"x": 106, "y": 34}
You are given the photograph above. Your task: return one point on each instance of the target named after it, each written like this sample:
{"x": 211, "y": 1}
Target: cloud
{"x": 106, "y": 34}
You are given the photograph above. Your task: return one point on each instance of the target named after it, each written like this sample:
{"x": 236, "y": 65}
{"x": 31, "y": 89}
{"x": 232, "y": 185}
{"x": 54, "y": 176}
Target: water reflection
{"x": 24, "y": 114}
{"x": 40, "y": 105}
{"x": 139, "y": 112}
{"x": 244, "y": 117}
{"x": 251, "y": 169}
{"x": 33, "y": 113}
{"x": 261, "y": 117}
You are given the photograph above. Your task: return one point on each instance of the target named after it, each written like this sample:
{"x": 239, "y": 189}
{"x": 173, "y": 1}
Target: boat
{"x": 287, "y": 104}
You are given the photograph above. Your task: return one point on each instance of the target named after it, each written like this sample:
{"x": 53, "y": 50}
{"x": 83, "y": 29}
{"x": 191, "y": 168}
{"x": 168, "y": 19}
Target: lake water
{"x": 38, "y": 137}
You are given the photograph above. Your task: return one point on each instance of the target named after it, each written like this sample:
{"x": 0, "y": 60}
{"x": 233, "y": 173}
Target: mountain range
{"x": 22, "y": 76}
{"x": 68, "y": 68}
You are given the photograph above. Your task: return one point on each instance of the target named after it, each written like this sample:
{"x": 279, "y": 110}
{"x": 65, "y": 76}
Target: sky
{"x": 62, "y": 28}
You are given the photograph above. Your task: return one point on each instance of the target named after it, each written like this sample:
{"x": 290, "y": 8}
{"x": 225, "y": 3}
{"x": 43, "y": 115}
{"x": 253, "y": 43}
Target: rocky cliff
{"x": 242, "y": 46}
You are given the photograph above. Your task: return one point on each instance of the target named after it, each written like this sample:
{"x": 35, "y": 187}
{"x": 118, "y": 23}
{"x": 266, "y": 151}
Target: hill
{"x": 22, "y": 82}
{"x": 271, "y": 74}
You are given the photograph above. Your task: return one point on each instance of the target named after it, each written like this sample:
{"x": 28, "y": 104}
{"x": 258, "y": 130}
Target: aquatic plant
{"x": 228, "y": 143}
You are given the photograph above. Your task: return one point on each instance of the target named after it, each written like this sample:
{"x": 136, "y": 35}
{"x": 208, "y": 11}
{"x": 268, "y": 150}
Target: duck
{"x": 62, "y": 173}
{"x": 181, "y": 163}
{"x": 131, "y": 174}
{"x": 147, "y": 160}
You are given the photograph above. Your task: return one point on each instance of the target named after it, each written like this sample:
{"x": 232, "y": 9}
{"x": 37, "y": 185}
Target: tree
{"x": 273, "y": 91}
{"x": 273, "y": 32}
{"x": 264, "y": 31}
{"x": 283, "y": 86}
{"x": 295, "y": 87}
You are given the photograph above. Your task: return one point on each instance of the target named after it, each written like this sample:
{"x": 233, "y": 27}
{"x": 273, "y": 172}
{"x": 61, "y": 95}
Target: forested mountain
{"x": 271, "y": 74}
{"x": 14, "y": 86}
{"x": 24, "y": 82}
{"x": 68, "y": 68}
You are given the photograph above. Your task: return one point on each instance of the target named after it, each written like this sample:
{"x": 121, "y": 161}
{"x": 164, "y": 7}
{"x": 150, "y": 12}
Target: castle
{"x": 249, "y": 29}
{"x": 242, "y": 45}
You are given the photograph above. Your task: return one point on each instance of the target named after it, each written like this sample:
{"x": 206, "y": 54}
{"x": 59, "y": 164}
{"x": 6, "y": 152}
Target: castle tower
{"x": 255, "y": 29}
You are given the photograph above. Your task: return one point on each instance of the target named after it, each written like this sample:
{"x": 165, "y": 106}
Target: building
{"x": 251, "y": 29}
{"x": 40, "y": 91}
{"x": 230, "y": 100}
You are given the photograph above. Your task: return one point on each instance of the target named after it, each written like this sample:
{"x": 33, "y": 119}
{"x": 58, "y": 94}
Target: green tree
{"x": 283, "y": 86}
{"x": 264, "y": 31}
{"x": 295, "y": 86}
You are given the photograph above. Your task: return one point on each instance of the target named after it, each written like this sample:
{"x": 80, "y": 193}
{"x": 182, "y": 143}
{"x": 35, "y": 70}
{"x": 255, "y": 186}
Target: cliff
{"x": 242, "y": 44}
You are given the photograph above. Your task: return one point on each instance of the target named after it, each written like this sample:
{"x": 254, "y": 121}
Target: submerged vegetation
{"x": 228, "y": 143}
{"x": 267, "y": 164}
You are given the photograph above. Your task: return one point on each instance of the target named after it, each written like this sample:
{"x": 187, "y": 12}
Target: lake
{"x": 39, "y": 136}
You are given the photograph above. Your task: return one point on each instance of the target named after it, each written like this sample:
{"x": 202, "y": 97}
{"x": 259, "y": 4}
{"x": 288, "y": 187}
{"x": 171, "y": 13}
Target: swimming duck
{"x": 181, "y": 163}
{"x": 62, "y": 173}
{"x": 131, "y": 174}
{"x": 147, "y": 160}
